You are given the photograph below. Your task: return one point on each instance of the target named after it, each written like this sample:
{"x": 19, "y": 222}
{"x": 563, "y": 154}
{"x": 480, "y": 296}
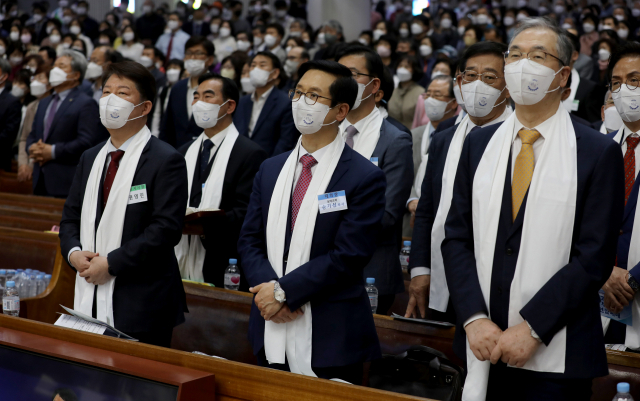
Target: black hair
{"x": 477, "y": 30}
{"x": 614, "y": 19}
{"x": 178, "y": 62}
{"x": 424, "y": 19}
{"x": 593, "y": 17}
{"x": 229, "y": 88}
{"x": 481, "y": 49}
{"x": 375, "y": 68}
{"x": 66, "y": 394}
{"x": 238, "y": 59}
{"x": 145, "y": 82}
{"x": 113, "y": 56}
{"x": 51, "y": 52}
{"x": 575, "y": 41}
{"x": 200, "y": 41}
{"x": 415, "y": 66}
{"x": 275, "y": 61}
{"x": 393, "y": 42}
{"x": 629, "y": 49}
{"x": 387, "y": 87}
{"x": 333, "y": 50}
{"x": 249, "y": 36}
{"x": 412, "y": 43}
{"x": 344, "y": 89}
{"x": 278, "y": 28}
{"x": 230, "y": 23}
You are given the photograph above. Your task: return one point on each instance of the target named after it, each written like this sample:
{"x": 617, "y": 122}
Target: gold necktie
{"x": 523, "y": 171}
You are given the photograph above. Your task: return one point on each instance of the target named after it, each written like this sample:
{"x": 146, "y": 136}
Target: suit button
{"x": 509, "y": 251}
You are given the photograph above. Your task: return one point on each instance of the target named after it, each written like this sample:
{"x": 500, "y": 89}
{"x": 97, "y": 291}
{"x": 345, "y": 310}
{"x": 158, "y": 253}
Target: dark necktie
{"x": 116, "y": 156}
{"x": 204, "y": 158}
{"x": 307, "y": 161}
{"x": 169, "y": 48}
{"x": 351, "y": 132}
{"x": 630, "y": 166}
{"x": 51, "y": 116}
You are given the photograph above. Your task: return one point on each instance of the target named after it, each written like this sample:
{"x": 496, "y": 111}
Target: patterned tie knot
{"x": 632, "y": 141}
{"x": 207, "y": 145}
{"x": 308, "y": 161}
{"x": 116, "y": 156}
{"x": 528, "y": 136}
{"x": 351, "y": 131}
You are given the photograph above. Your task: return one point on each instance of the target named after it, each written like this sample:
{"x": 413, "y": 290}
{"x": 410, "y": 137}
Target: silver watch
{"x": 533, "y": 333}
{"x": 278, "y": 293}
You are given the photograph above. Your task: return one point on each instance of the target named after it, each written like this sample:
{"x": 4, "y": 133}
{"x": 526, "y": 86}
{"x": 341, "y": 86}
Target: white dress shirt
{"x": 216, "y": 140}
{"x": 318, "y": 154}
{"x": 627, "y": 133}
{"x": 180, "y": 38}
{"x": 367, "y": 129}
{"x": 258, "y": 104}
{"x": 190, "y": 92}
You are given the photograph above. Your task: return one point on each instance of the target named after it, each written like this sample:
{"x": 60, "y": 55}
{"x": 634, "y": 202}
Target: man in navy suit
{"x": 10, "y": 114}
{"x": 64, "y": 127}
{"x": 388, "y": 148}
{"x": 148, "y": 298}
{"x": 343, "y": 241}
{"x": 265, "y": 115}
{"x": 565, "y": 304}
{"x": 178, "y": 126}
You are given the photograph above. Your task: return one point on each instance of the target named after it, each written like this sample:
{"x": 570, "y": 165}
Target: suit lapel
{"x": 269, "y": 104}
{"x": 633, "y": 201}
{"x": 62, "y": 108}
{"x": 340, "y": 170}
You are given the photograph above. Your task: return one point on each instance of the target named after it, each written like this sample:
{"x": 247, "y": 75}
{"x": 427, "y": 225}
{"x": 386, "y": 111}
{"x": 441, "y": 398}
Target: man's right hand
{"x": 24, "y": 173}
{"x": 81, "y": 260}
{"x": 617, "y": 291}
{"x": 418, "y": 291}
{"x": 483, "y": 336}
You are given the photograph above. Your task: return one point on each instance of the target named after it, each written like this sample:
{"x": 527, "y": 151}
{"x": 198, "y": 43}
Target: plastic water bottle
{"x": 623, "y": 393}
{"x": 372, "y": 292}
{"x": 23, "y": 285}
{"x": 40, "y": 284}
{"x": 404, "y": 256}
{"x": 11, "y": 300}
{"x": 17, "y": 277}
{"x": 232, "y": 276}
{"x": 47, "y": 280}
{"x": 3, "y": 280}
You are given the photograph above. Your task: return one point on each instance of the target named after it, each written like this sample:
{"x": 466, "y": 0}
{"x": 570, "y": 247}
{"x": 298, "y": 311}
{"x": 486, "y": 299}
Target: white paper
{"x": 72, "y": 322}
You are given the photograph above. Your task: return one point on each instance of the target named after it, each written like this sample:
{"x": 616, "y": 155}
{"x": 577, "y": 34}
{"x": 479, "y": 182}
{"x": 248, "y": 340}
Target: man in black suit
{"x": 139, "y": 186}
{"x": 10, "y": 111}
{"x": 586, "y": 96}
{"x": 219, "y": 146}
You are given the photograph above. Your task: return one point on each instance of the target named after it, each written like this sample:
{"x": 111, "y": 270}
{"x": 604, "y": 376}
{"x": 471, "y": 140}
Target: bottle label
{"x": 373, "y": 300}
{"x": 11, "y": 305}
{"x": 231, "y": 279}
{"x": 404, "y": 260}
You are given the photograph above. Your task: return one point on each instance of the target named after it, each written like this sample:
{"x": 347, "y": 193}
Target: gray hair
{"x": 606, "y": 96}
{"x": 303, "y": 23}
{"x": 5, "y": 66}
{"x": 447, "y": 79}
{"x": 78, "y": 61}
{"x": 563, "y": 44}
{"x": 333, "y": 24}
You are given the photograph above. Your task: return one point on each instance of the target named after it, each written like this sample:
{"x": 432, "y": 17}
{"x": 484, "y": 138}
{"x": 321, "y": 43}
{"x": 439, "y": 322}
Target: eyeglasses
{"x": 356, "y": 73}
{"x": 310, "y": 98}
{"x": 488, "y": 78}
{"x": 537, "y": 56}
{"x": 632, "y": 83}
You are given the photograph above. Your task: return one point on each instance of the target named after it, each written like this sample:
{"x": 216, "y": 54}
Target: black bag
{"x": 420, "y": 371}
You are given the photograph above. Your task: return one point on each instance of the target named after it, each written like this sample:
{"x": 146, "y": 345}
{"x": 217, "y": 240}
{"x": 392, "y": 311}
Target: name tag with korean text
{"x": 332, "y": 202}
{"x": 138, "y": 194}
{"x": 626, "y": 316}
{"x": 374, "y": 160}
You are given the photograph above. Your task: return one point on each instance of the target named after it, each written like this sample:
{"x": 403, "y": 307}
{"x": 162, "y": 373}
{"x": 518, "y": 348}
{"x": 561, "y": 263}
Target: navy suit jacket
{"x": 398, "y": 125}
{"x": 395, "y": 158}
{"x": 446, "y": 124}
{"x": 148, "y": 293}
{"x": 274, "y": 130}
{"x": 343, "y": 243}
{"x": 76, "y": 127}
{"x": 10, "y": 117}
{"x": 570, "y": 298}
{"x": 177, "y": 127}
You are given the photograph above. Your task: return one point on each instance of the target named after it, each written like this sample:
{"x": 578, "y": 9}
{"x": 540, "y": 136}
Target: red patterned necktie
{"x": 111, "y": 175}
{"x": 301, "y": 187}
{"x": 630, "y": 166}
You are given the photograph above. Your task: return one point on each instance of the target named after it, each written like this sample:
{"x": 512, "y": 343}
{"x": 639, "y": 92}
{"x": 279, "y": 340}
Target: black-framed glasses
{"x": 310, "y": 98}
{"x": 356, "y": 73}
{"x": 488, "y": 78}
{"x": 632, "y": 83}
{"x": 537, "y": 56}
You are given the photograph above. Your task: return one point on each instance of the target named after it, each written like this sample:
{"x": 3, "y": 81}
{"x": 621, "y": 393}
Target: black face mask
{"x": 238, "y": 13}
{"x": 400, "y": 54}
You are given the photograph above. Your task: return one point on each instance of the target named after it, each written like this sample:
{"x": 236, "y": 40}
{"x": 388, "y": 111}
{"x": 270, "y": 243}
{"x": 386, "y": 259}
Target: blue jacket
{"x": 570, "y": 298}
{"x": 177, "y": 127}
{"x": 274, "y": 130}
{"x": 343, "y": 243}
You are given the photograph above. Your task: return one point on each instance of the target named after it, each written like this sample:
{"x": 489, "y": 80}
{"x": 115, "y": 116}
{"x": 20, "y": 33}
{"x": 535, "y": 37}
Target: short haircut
{"x": 373, "y": 60}
{"x": 575, "y": 41}
{"x": 445, "y": 78}
{"x": 424, "y": 19}
{"x": 612, "y": 18}
{"x": 145, "y": 82}
{"x": 563, "y": 44}
{"x": 178, "y": 62}
{"x": 344, "y": 89}
{"x": 333, "y": 50}
{"x": 277, "y": 27}
{"x": 51, "y": 52}
{"x": 477, "y": 30}
{"x": 229, "y": 88}
{"x": 275, "y": 61}
{"x": 415, "y": 66}
{"x": 43, "y": 69}
{"x": 335, "y": 25}
{"x": 200, "y": 41}
{"x": 22, "y": 76}
{"x": 629, "y": 49}
{"x": 482, "y": 49}
{"x": 387, "y": 87}
{"x": 78, "y": 61}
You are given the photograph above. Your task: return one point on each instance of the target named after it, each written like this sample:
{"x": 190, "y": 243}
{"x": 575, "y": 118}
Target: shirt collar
{"x": 63, "y": 95}
{"x": 219, "y": 137}
{"x": 505, "y": 114}
{"x": 316, "y": 155}
{"x": 627, "y": 133}
{"x": 264, "y": 95}
{"x": 362, "y": 124}
{"x": 544, "y": 128}
{"x": 125, "y": 145}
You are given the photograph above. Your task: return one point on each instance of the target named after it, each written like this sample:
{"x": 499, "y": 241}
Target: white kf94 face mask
{"x": 309, "y": 119}
{"x": 359, "y": 99}
{"x": 612, "y": 120}
{"x": 115, "y": 111}
{"x": 458, "y": 95}
{"x": 435, "y": 108}
{"x": 206, "y": 114}
{"x": 627, "y": 103}
{"x": 480, "y": 98}
{"x": 528, "y": 81}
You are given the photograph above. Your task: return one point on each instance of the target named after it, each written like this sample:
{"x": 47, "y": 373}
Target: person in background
{"x": 608, "y": 23}
{"x": 272, "y": 40}
{"x": 89, "y": 25}
{"x": 380, "y": 29}
{"x": 472, "y": 35}
{"x": 258, "y": 33}
{"x": 174, "y": 72}
{"x": 16, "y": 58}
{"x": 624, "y": 31}
{"x": 171, "y": 42}
{"x": 492, "y": 34}
{"x": 441, "y": 67}
{"x": 329, "y": 33}
{"x": 383, "y": 96}
{"x": 366, "y": 38}
{"x": 386, "y": 49}
{"x": 10, "y": 117}
{"x": 53, "y": 39}
{"x": 21, "y": 91}
{"x": 197, "y": 26}
{"x": 131, "y": 48}
{"x": 604, "y": 48}
{"x": 590, "y": 35}
{"x": 282, "y": 16}
{"x": 403, "y": 30}
{"x": 79, "y": 46}
{"x": 149, "y": 25}
{"x": 245, "y": 80}
{"x": 27, "y": 40}
{"x": 65, "y": 44}
{"x": 153, "y": 59}
{"x": 38, "y": 22}
{"x": 214, "y": 28}
{"x": 225, "y": 43}
{"x": 32, "y": 62}
{"x": 231, "y": 67}
{"x": 420, "y": 26}
{"x": 297, "y": 56}
{"x": 291, "y": 43}
{"x": 296, "y": 28}
{"x": 509, "y": 22}
{"x": 440, "y": 105}
{"x": 239, "y": 22}
{"x": 402, "y": 104}
{"x": 585, "y": 97}
{"x": 244, "y": 42}
{"x": 100, "y": 59}
{"x": 76, "y": 28}
{"x": 48, "y": 55}
{"x": 610, "y": 119}
{"x": 405, "y": 47}
{"x": 427, "y": 58}
{"x": 446, "y": 34}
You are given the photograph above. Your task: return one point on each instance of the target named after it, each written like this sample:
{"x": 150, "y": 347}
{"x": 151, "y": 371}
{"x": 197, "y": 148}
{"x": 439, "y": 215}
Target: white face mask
{"x": 309, "y": 119}
{"x": 623, "y": 33}
{"x": 215, "y": 28}
{"x": 147, "y": 9}
{"x": 81, "y": 10}
{"x": 15, "y": 60}
{"x": 508, "y": 21}
{"x": 612, "y": 120}
{"x": 57, "y": 76}
{"x": 295, "y": 34}
{"x": 2, "y": 50}
{"x": 404, "y": 32}
{"x": 588, "y": 28}
{"x": 115, "y": 111}
{"x": 206, "y": 114}
{"x": 363, "y": 41}
{"x": 173, "y": 76}
{"x": 270, "y": 40}
{"x": 243, "y": 45}
{"x": 173, "y": 25}
{"x": 291, "y": 67}
{"x": 66, "y": 45}
{"x": 54, "y": 39}
{"x": 383, "y": 51}
{"x": 435, "y": 108}
{"x": 436, "y": 74}
{"x": 618, "y": 17}
{"x": 566, "y": 26}
{"x": 194, "y": 67}
{"x": 38, "y": 88}
{"x": 461, "y": 30}
{"x": 93, "y": 71}
{"x": 225, "y": 32}
{"x": 604, "y": 54}
{"x": 49, "y": 29}
{"x": 416, "y": 29}
{"x": 377, "y": 34}
{"x": 458, "y": 96}
{"x": 17, "y": 91}
{"x": 425, "y": 50}
{"x": 627, "y": 104}
{"x": 75, "y": 29}
{"x": 403, "y": 74}
{"x": 359, "y": 99}
{"x": 635, "y": 12}
{"x": 259, "y": 77}
{"x": 146, "y": 62}
{"x": 482, "y": 19}
{"x": 127, "y": 36}
{"x": 480, "y": 98}
{"x": 246, "y": 85}
{"x": 445, "y": 23}
{"x": 558, "y": 9}
{"x": 257, "y": 41}
{"x": 528, "y": 81}
{"x": 14, "y": 36}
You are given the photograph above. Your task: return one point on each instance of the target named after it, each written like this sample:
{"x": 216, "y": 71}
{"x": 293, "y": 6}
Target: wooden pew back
{"x": 32, "y": 203}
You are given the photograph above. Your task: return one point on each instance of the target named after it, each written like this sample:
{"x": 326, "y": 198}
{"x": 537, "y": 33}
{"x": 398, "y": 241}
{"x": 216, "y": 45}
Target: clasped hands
{"x": 40, "y": 152}
{"x": 515, "y": 346}
{"x": 617, "y": 292}
{"x": 91, "y": 266}
{"x": 270, "y": 309}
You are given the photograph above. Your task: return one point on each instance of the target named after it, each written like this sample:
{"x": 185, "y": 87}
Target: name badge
{"x": 332, "y": 202}
{"x": 626, "y": 316}
{"x": 374, "y": 160}
{"x": 138, "y": 194}
{"x": 203, "y": 186}
{"x": 574, "y": 105}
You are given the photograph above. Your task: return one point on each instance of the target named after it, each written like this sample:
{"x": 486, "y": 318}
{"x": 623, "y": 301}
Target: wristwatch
{"x": 533, "y": 333}
{"x": 278, "y": 293}
{"x": 633, "y": 283}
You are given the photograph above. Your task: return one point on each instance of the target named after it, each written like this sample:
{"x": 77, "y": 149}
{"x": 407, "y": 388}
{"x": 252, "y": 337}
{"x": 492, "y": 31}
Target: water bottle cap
{"x": 19, "y": 270}
{"x": 233, "y": 261}
{"x": 407, "y": 243}
{"x": 40, "y": 276}
{"x": 623, "y": 387}
{"x": 11, "y": 284}
{"x": 28, "y": 270}
{"x": 2, "y": 271}
{"x": 371, "y": 280}
{"x": 47, "y": 276}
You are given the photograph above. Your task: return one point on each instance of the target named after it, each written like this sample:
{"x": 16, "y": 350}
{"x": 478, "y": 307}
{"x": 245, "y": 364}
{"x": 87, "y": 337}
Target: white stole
{"x": 424, "y": 154}
{"x": 546, "y": 234}
{"x": 109, "y": 233}
{"x": 191, "y": 254}
{"x": 294, "y": 338}
{"x": 369, "y": 136}
{"x": 603, "y": 129}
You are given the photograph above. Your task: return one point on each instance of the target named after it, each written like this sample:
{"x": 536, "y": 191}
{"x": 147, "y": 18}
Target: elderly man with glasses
{"x": 531, "y": 233}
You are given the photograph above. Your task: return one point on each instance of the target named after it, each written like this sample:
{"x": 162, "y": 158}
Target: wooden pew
{"x": 28, "y": 219}
{"x": 9, "y": 183}
{"x": 31, "y": 202}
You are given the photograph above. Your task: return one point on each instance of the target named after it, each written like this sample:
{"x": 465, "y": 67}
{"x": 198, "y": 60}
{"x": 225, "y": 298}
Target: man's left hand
{"x": 516, "y": 346}
{"x": 42, "y": 153}
{"x": 98, "y": 271}
{"x": 265, "y": 300}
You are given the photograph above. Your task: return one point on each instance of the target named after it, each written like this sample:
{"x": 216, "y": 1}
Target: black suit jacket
{"x": 446, "y": 124}
{"x": 398, "y": 125}
{"x": 591, "y": 97}
{"x": 177, "y": 126}
{"x": 148, "y": 292}
{"x": 10, "y": 115}
{"x": 221, "y": 240}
